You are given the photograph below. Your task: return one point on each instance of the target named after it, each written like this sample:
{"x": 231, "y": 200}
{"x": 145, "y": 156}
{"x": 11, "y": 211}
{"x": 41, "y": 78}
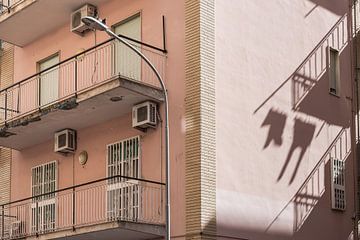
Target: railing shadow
{"x": 306, "y": 76}
{"x": 334, "y": 6}
{"x": 314, "y": 67}
{"x": 310, "y": 192}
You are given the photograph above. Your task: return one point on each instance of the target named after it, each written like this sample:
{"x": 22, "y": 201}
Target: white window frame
{"x": 124, "y": 184}
{"x": 338, "y": 190}
{"x": 43, "y": 202}
{"x": 334, "y": 90}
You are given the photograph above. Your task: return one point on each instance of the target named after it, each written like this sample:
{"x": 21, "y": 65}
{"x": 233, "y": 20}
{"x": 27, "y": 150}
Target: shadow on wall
{"x": 310, "y": 207}
{"x": 335, "y": 6}
{"x": 302, "y": 137}
{"x": 309, "y": 96}
{"x": 315, "y": 66}
{"x": 309, "y": 72}
{"x": 276, "y": 122}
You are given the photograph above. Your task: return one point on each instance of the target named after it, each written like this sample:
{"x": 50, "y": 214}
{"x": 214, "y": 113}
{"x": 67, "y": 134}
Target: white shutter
{"x": 338, "y": 194}
{"x": 49, "y": 81}
{"x": 127, "y": 62}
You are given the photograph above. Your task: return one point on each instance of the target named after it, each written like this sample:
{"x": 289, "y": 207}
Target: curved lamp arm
{"x": 101, "y": 26}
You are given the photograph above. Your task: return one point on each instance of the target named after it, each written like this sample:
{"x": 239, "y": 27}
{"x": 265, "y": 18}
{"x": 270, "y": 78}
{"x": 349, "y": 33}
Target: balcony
{"x": 29, "y": 16}
{"x": 103, "y": 209}
{"x": 99, "y": 84}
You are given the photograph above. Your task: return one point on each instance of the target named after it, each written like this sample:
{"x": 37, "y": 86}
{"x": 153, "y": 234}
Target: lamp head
{"x": 94, "y": 23}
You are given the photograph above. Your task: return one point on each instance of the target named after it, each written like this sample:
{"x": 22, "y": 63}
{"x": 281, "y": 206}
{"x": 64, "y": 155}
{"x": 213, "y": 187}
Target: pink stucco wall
{"x": 95, "y": 138}
{"x": 273, "y": 131}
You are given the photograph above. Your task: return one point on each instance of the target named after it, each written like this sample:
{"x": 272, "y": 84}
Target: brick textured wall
{"x": 200, "y": 119}
{"x": 6, "y": 79}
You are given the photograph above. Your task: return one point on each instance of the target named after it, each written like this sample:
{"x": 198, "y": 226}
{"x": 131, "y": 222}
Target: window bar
{"x": 37, "y": 218}
{"x": 39, "y": 91}
{"x": 76, "y": 77}
{"x": 18, "y": 99}
{"x": 6, "y": 105}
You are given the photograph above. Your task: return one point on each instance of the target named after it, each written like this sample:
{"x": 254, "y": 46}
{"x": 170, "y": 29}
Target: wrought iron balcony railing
{"x": 5, "y": 5}
{"x": 102, "y": 201}
{"x": 79, "y": 73}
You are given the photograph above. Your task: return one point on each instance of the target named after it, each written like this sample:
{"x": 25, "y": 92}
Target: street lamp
{"x": 99, "y": 25}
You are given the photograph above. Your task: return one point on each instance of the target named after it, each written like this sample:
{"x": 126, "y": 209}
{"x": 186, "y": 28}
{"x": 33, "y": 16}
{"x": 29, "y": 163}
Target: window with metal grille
{"x": 338, "y": 195}
{"x": 43, "y": 181}
{"x": 123, "y": 194}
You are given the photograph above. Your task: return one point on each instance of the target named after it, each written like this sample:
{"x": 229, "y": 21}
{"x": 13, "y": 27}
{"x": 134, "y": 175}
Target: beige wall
{"x": 200, "y": 119}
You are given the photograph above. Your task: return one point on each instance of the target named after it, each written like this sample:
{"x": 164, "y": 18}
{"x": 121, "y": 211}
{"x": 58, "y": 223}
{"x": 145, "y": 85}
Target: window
{"x": 338, "y": 200}
{"x": 43, "y": 180}
{"x": 123, "y": 195}
{"x": 334, "y": 72}
{"x": 49, "y": 80}
{"x": 127, "y": 62}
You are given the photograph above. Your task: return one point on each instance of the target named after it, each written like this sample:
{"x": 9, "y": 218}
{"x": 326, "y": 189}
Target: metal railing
{"x": 85, "y": 70}
{"x": 105, "y": 200}
{"x": 5, "y": 5}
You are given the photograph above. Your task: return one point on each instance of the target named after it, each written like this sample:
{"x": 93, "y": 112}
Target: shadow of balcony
{"x": 314, "y": 66}
{"x": 313, "y": 188}
{"x": 334, "y": 6}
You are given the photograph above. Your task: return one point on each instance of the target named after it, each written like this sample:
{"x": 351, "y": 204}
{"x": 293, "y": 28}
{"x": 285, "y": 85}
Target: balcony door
{"x": 43, "y": 211}
{"x": 123, "y": 195}
{"x": 128, "y": 63}
{"x": 49, "y": 80}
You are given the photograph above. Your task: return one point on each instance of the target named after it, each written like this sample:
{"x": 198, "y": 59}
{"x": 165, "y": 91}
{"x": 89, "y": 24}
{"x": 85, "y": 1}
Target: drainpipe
{"x": 355, "y": 116}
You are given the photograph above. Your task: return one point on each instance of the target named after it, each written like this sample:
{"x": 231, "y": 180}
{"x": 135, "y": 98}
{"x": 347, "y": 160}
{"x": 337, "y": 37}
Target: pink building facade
{"x": 275, "y": 92}
{"x": 263, "y": 105}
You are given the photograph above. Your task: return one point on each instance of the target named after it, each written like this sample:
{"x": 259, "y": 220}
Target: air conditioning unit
{"x": 76, "y": 25}
{"x": 144, "y": 115}
{"x": 65, "y": 141}
{"x": 17, "y": 229}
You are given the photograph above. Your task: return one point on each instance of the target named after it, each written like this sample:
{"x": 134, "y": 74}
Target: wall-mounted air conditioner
{"x": 65, "y": 141}
{"x": 144, "y": 115}
{"x": 76, "y": 25}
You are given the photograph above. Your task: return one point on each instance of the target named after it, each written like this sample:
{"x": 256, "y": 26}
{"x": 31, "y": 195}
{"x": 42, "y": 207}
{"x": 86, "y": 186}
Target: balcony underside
{"x": 108, "y": 231}
{"x": 86, "y": 109}
{"x": 25, "y": 22}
